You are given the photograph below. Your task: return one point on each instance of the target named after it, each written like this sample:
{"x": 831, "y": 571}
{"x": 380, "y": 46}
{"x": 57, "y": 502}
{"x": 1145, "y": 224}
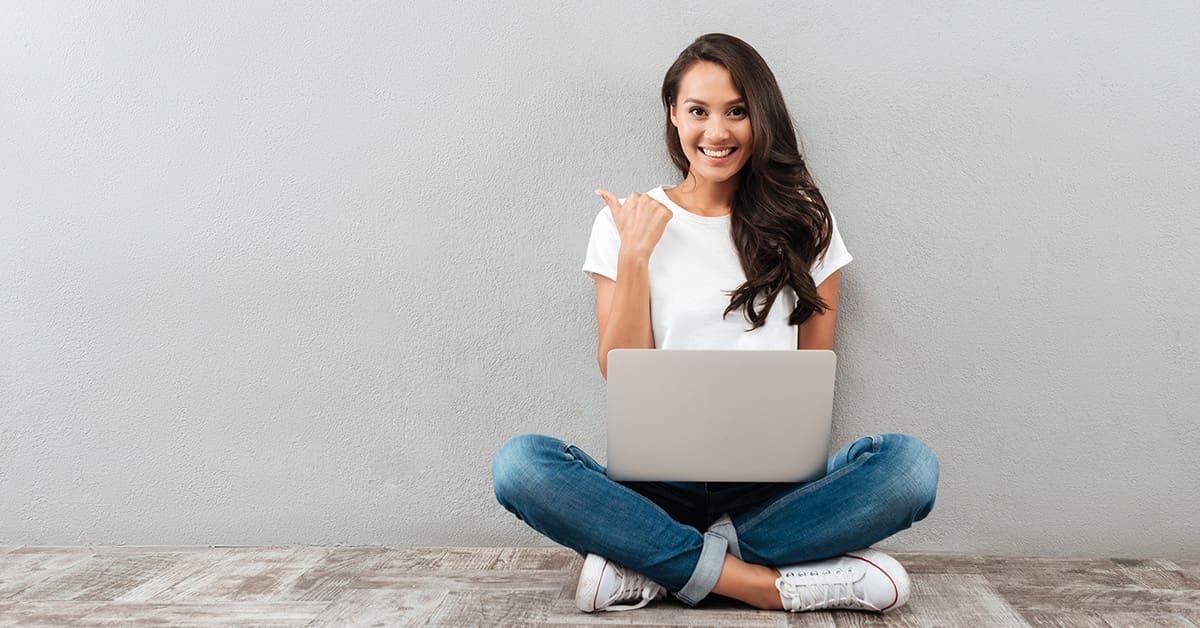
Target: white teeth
{"x": 721, "y": 153}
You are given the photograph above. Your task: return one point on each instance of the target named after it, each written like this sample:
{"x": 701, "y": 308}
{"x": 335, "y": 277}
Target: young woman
{"x": 761, "y": 254}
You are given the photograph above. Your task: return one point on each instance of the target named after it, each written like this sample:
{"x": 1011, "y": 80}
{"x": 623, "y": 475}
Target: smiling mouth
{"x": 717, "y": 153}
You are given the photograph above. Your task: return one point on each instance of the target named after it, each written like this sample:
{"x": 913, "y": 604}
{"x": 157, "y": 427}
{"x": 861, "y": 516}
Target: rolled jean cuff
{"x": 707, "y": 571}
{"x": 724, "y": 528}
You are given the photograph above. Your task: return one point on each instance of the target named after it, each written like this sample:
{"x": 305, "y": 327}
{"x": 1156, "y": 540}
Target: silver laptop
{"x": 719, "y": 416}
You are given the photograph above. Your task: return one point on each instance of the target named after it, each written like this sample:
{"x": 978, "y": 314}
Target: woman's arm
{"x": 623, "y": 309}
{"x": 817, "y": 331}
{"x": 623, "y": 306}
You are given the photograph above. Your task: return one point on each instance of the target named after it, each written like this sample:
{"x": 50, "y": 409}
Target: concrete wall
{"x": 290, "y": 273}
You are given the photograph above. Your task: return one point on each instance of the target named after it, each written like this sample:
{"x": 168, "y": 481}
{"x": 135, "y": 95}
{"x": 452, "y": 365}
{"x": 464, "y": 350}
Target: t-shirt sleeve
{"x": 834, "y": 258}
{"x": 603, "y": 247}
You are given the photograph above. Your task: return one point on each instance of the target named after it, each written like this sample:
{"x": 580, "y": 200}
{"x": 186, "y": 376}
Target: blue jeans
{"x": 873, "y": 487}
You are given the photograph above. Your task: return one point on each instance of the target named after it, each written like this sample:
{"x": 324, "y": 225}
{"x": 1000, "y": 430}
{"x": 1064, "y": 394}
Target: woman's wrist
{"x": 627, "y": 256}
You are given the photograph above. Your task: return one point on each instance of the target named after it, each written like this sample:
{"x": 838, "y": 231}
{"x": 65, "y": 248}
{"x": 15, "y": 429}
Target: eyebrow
{"x": 739, "y": 101}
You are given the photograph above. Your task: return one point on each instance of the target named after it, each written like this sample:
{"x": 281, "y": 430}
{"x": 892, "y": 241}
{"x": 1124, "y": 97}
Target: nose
{"x": 717, "y": 129}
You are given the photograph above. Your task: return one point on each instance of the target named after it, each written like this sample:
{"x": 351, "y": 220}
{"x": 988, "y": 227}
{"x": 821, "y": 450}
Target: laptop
{"x": 719, "y": 416}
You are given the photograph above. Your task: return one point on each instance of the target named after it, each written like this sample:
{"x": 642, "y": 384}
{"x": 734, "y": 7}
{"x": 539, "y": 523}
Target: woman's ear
{"x": 674, "y": 121}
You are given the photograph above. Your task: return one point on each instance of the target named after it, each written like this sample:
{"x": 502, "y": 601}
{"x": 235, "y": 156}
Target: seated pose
{"x": 762, "y": 255}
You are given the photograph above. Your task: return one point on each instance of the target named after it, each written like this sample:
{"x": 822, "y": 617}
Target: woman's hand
{"x": 640, "y": 221}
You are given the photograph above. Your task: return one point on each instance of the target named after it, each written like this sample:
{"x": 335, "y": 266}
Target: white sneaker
{"x": 603, "y": 585}
{"x": 863, "y": 580}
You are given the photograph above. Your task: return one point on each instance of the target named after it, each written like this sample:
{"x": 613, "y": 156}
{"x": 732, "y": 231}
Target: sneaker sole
{"x": 894, "y": 572}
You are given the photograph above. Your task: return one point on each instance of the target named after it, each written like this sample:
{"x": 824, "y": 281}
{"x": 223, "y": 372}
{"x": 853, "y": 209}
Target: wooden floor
{"x": 381, "y": 586}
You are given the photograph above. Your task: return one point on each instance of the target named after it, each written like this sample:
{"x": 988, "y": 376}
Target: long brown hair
{"x": 780, "y": 222}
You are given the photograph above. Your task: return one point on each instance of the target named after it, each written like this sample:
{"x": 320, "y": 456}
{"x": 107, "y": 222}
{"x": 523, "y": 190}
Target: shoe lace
{"x": 824, "y": 588}
{"x": 634, "y": 586}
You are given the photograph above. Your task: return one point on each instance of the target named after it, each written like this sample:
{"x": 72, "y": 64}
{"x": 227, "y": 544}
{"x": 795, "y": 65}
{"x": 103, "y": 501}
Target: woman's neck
{"x": 706, "y": 198}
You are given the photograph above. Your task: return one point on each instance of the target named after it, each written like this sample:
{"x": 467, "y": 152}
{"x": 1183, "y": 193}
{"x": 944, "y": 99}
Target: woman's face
{"x": 713, "y": 122}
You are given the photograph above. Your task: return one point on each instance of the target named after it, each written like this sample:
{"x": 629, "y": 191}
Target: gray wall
{"x": 275, "y": 273}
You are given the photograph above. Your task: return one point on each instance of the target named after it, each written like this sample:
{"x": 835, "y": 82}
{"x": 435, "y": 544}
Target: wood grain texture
{"x": 370, "y": 607}
{"x": 457, "y": 586}
{"x": 22, "y": 568}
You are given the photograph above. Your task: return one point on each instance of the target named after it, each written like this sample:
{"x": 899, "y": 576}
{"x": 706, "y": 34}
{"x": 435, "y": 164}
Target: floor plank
{"x": 670, "y": 612}
{"x": 47, "y": 613}
{"x": 1077, "y": 619}
{"x": 959, "y": 600}
{"x": 490, "y": 608}
{"x": 454, "y": 580}
{"x": 23, "y": 568}
{"x": 1099, "y": 599}
{"x": 331, "y": 576}
{"x": 1159, "y": 574}
{"x": 164, "y": 585}
{"x": 1139, "y": 620}
{"x": 368, "y": 607}
{"x": 206, "y": 613}
{"x": 517, "y": 558}
{"x": 243, "y": 574}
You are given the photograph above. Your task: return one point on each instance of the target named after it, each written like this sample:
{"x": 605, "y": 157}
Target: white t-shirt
{"x": 692, "y": 270}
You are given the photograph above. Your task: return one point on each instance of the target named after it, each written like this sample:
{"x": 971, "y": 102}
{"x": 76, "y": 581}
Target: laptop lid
{"x": 719, "y": 416}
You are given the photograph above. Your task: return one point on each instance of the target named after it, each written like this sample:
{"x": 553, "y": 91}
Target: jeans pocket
{"x": 852, "y": 450}
{"x": 574, "y": 453}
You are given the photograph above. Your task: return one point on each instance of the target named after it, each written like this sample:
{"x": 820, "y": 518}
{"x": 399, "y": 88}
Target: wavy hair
{"x": 780, "y": 222}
